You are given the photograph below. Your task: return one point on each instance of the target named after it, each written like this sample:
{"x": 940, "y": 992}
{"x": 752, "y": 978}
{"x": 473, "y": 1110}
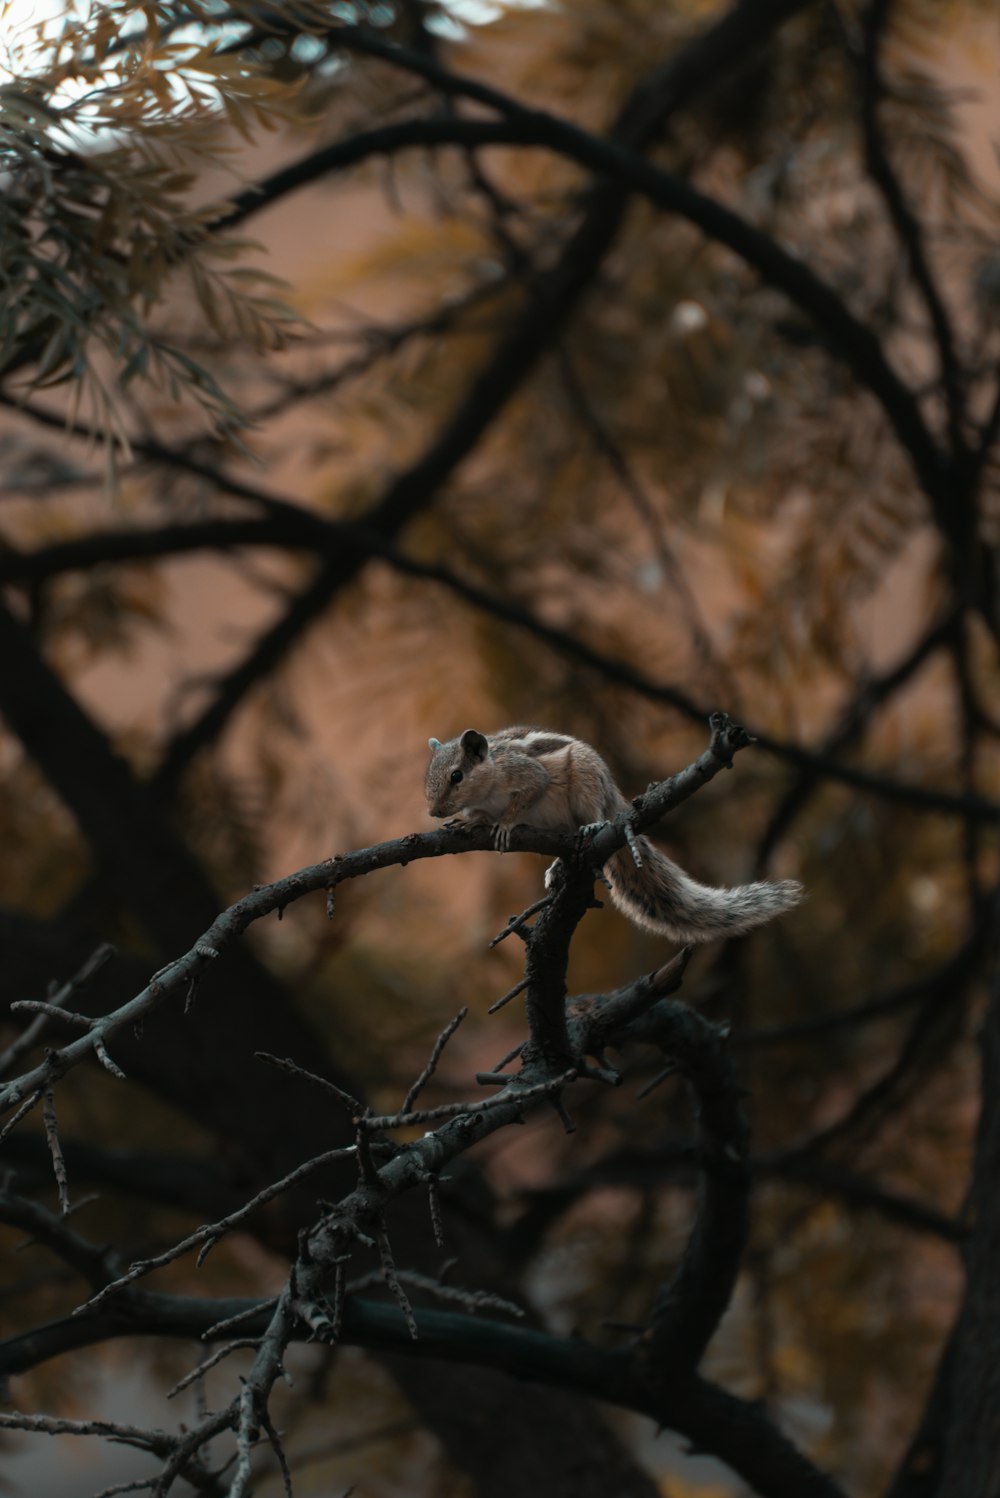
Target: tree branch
{"x": 619, "y": 162}
{"x": 288, "y": 525}
{"x": 688, "y": 1309}
{"x": 905, "y": 222}
{"x": 734, "y": 1430}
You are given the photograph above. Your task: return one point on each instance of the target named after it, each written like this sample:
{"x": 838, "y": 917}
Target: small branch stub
{"x": 727, "y": 738}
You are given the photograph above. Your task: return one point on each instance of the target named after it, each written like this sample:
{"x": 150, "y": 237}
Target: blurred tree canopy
{"x": 376, "y": 371}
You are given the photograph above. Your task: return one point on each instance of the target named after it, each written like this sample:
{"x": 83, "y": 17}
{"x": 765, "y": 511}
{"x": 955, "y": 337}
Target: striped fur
{"x": 531, "y": 777}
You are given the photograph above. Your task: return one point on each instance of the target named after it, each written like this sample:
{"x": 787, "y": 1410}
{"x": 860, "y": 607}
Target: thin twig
{"x": 391, "y": 1277}
{"x": 238, "y": 1345}
{"x": 247, "y": 1314}
{"x": 455, "y": 1110}
{"x": 52, "y": 1010}
{"x": 472, "y": 1300}
{"x": 209, "y": 1233}
{"x": 651, "y": 1086}
{"x": 367, "y": 1169}
{"x": 279, "y": 1451}
{"x": 55, "y": 1150}
{"x": 511, "y": 993}
{"x": 434, "y": 1204}
{"x": 435, "y": 1057}
{"x": 106, "y": 1060}
{"x": 137, "y": 1485}
{"x": 510, "y": 1056}
{"x": 517, "y": 922}
{"x": 31, "y": 1036}
{"x": 185, "y": 1450}
{"x": 24, "y": 1109}
{"x": 352, "y": 1104}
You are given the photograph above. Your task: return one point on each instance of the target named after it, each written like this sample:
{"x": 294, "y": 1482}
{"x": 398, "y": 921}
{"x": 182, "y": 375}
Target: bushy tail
{"x": 660, "y": 897}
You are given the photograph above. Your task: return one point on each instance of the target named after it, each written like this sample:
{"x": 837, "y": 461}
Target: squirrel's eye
{"x": 456, "y": 776}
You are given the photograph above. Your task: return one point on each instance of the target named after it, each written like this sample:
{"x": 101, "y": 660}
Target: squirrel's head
{"x": 454, "y": 772}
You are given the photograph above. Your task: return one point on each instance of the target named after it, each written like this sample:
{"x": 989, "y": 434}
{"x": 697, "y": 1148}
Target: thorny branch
{"x": 566, "y": 1043}
{"x": 57, "y": 1000}
{"x": 174, "y": 979}
{"x": 687, "y": 1310}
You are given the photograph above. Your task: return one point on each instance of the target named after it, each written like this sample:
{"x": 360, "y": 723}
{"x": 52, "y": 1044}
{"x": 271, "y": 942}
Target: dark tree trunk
{"x": 970, "y": 1463}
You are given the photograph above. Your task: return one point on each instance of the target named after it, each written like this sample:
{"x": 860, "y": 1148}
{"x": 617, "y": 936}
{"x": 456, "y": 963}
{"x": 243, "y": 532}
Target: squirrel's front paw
{"x": 585, "y": 833}
{"x": 501, "y": 838}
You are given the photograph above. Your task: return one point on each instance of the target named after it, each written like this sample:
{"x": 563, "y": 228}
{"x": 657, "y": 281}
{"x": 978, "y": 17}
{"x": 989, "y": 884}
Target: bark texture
{"x": 971, "y": 1456}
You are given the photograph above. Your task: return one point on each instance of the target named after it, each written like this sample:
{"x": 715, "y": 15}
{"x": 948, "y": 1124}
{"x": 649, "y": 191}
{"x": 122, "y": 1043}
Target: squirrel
{"x": 530, "y": 777}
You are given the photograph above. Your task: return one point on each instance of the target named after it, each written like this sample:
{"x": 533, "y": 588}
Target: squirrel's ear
{"x": 474, "y": 744}
{"x": 434, "y": 743}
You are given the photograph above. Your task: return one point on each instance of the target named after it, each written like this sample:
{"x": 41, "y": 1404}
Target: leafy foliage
{"x": 112, "y": 114}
